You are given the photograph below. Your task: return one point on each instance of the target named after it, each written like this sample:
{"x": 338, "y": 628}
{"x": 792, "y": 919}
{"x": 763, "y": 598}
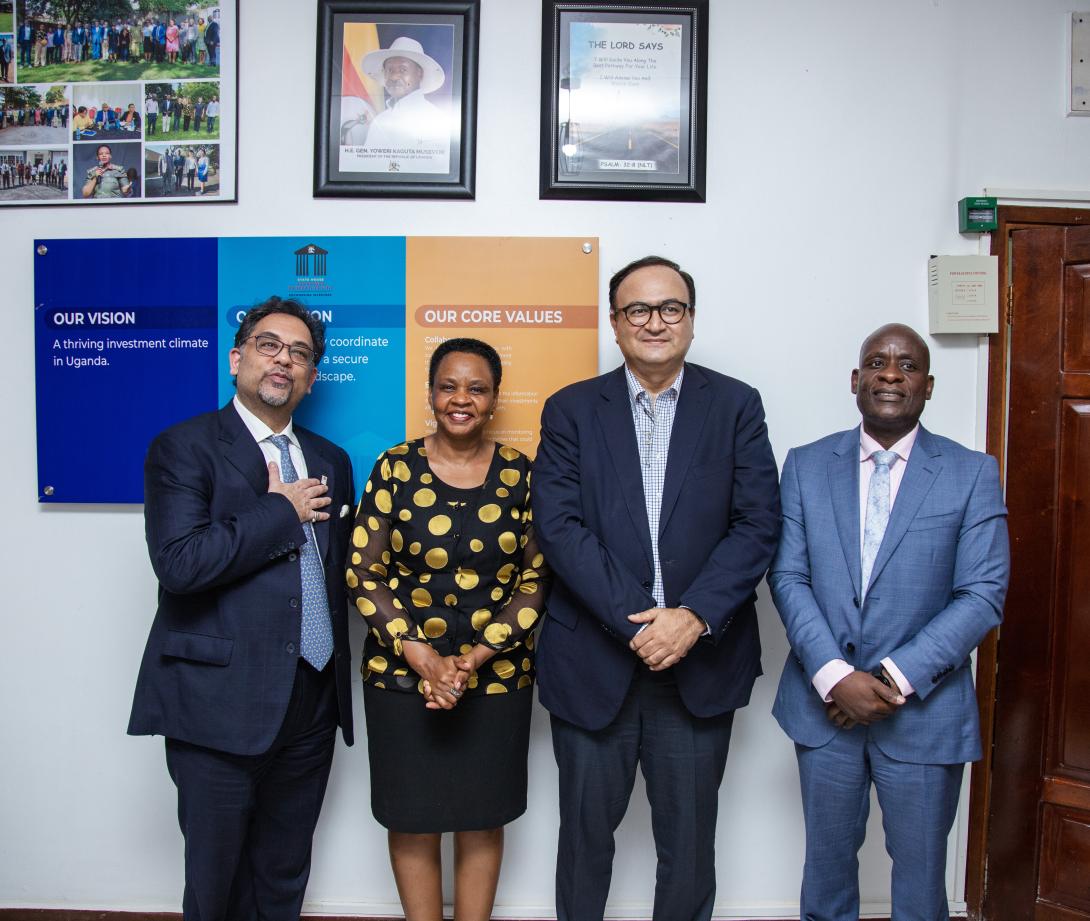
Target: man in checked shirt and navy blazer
{"x": 656, "y": 504}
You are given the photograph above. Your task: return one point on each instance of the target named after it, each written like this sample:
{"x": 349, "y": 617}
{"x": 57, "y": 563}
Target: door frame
{"x": 1010, "y": 218}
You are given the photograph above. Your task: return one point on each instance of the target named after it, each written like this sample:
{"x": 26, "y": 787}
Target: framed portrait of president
{"x": 396, "y": 99}
{"x": 624, "y": 99}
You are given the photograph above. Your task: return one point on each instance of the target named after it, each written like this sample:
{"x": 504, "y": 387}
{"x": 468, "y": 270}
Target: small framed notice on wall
{"x": 624, "y": 100}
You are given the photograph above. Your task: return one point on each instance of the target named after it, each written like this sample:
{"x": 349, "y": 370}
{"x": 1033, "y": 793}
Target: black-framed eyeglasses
{"x": 639, "y": 313}
{"x": 270, "y": 347}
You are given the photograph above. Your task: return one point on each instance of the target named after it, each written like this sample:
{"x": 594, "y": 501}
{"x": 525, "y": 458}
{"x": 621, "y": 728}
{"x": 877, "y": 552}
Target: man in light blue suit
{"x": 891, "y": 568}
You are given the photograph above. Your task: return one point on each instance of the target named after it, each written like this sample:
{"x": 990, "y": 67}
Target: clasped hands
{"x": 669, "y": 635}
{"x": 860, "y": 698}
{"x": 444, "y": 677}
{"x": 307, "y": 496}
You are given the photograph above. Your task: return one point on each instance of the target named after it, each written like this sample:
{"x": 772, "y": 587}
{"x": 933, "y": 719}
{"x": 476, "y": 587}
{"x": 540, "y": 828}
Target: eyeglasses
{"x": 270, "y": 347}
{"x": 639, "y": 313}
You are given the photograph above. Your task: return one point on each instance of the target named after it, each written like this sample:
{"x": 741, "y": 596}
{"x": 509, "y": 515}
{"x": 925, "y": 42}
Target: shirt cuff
{"x": 707, "y": 629}
{"x": 903, "y": 684}
{"x": 829, "y": 675}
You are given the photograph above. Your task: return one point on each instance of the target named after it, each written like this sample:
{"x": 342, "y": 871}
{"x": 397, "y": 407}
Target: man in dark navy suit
{"x": 26, "y": 44}
{"x": 246, "y": 670}
{"x": 656, "y": 504}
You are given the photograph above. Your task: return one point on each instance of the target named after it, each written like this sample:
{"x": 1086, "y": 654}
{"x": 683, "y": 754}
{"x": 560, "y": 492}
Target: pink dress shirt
{"x": 836, "y": 670}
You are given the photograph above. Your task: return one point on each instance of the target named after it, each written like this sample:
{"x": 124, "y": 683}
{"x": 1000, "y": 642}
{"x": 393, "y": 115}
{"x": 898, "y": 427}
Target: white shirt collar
{"x": 259, "y": 429}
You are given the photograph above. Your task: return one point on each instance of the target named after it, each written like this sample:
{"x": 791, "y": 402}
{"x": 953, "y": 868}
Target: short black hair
{"x": 471, "y": 347}
{"x": 293, "y": 309}
{"x": 646, "y": 262}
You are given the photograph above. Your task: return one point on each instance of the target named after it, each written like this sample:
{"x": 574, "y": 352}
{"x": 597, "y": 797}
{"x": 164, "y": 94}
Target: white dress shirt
{"x": 262, "y": 433}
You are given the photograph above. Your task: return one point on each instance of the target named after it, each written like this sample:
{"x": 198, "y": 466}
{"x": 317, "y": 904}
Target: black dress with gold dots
{"x": 451, "y": 567}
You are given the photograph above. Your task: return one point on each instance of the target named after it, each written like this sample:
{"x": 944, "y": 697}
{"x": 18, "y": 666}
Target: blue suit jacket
{"x": 936, "y": 589}
{"x": 717, "y": 533}
{"x": 220, "y": 661}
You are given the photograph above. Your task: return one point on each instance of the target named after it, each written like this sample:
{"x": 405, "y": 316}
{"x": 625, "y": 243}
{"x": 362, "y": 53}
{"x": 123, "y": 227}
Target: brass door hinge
{"x": 1010, "y": 305}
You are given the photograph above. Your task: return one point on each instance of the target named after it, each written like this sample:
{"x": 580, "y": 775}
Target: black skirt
{"x": 447, "y": 770}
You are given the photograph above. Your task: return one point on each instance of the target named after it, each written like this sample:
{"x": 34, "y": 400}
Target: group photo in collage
{"x": 110, "y": 99}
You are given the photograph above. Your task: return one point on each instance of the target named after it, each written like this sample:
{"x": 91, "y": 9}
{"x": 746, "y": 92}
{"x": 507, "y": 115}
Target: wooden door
{"x": 1038, "y": 808}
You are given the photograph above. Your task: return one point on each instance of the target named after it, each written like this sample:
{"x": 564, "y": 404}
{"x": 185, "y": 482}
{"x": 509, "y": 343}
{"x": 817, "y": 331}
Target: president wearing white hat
{"x": 410, "y": 123}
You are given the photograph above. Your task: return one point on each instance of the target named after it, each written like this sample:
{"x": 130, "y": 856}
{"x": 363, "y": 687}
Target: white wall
{"x": 841, "y": 135}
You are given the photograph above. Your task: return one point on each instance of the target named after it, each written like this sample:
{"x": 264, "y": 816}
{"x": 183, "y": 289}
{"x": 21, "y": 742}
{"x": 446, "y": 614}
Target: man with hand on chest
{"x": 246, "y": 670}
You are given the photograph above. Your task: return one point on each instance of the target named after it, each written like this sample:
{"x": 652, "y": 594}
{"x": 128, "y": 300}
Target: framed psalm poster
{"x": 624, "y": 99}
{"x": 396, "y": 101}
{"x": 112, "y": 102}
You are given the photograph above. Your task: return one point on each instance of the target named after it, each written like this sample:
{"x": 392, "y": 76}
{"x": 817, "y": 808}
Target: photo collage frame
{"x": 117, "y": 101}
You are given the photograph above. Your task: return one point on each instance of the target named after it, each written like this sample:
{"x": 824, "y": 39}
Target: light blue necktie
{"x": 316, "y": 643}
{"x": 874, "y": 528}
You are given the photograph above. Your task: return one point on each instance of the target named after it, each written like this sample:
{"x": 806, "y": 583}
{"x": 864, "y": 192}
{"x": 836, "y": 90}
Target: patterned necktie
{"x": 316, "y": 644}
{"x": 877, "y": 511}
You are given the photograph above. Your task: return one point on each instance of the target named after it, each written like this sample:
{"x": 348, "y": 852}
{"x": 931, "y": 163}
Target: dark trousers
{"x": 248, "y": 821}
{"x": 682, "y": 758}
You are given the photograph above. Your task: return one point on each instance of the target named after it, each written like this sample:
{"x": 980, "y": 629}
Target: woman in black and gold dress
{"x": 445, "y": 570}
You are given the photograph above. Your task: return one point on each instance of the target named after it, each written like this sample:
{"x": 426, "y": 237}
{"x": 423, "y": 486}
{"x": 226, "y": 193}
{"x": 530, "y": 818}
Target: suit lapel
{"x": 615, "y": 416}
{"x": 844, "y": 490}
{"x": 692, "y": 409}
{"x": 242, "y": 451}
{"x": 924, "y": 464}
{"x": 318, "y": 465}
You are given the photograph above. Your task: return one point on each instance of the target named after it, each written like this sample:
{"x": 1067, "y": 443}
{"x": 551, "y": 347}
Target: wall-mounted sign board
{"x": 117, "y": 363}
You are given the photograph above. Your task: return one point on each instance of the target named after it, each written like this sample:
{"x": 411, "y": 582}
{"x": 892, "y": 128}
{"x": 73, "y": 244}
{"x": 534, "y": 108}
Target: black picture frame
{"x": 634, "y": 132}
{"x": 355, "y": 159}
{"x": 118, "y": 71}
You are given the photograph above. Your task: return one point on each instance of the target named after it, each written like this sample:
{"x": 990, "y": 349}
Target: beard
{"x": 273, "y": 396}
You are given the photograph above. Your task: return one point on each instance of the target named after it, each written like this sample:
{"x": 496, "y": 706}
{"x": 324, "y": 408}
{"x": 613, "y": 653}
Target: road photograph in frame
{"x": 84, "y": 104}
{"x": 396, "y": 99}
{"x": 624, "y": 100}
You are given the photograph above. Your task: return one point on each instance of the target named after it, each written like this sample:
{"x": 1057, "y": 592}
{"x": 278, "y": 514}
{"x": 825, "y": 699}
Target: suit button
{"x": 850, "y": 649}
{"x": 646, "y": 583}
{"x": 294, "y": 602}
{"x": 290, "y": 649}
{"x": 855, "y": 601}
{"x": 293, "y": 557}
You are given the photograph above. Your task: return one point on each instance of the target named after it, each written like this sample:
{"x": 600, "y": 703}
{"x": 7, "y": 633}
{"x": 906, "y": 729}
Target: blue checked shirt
{"x": 653, "y": 418}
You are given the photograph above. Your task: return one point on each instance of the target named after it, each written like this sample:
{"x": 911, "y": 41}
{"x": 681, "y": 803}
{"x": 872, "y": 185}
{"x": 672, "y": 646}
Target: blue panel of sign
{"x": 126, "y": 344}
{"x": 133, "y": 335}
{"x": 356, "y": 286}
